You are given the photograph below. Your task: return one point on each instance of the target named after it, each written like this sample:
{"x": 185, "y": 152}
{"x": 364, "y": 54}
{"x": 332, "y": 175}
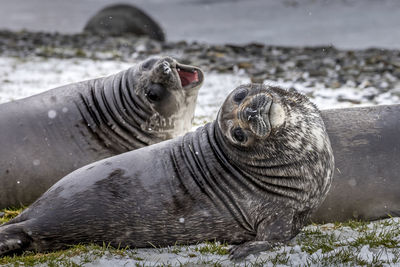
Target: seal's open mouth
{"x": 189, "y": 76}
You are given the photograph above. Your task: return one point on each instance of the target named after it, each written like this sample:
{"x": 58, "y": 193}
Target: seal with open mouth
{"x": 250, "y": 178}
{"x": 46, "y": 136}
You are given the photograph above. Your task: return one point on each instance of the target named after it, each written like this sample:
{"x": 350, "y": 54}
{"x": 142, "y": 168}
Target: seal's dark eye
{"x": 239, "y": 135}
{"x": 240, "y": 95}
{"x": 155, "y": 92}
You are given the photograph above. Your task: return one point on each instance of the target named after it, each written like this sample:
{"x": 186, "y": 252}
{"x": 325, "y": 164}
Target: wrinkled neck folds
{"x": 115, "y": 114}
{"x": 271, "y": 170}
{"x": 199, "y": 162}
{"x": 236, "y": 179}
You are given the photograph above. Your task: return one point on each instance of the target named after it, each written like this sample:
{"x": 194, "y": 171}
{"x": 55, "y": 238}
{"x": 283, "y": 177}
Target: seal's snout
{"x": 164, "y": 66}
{"x": 176, "y": 76}
{"x": 256, "y": 113}
{"x": 250, "y": 113}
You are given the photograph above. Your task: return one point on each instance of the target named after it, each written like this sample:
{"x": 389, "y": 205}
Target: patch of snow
{"x": 213, "y": 93}
{"x": 21, "y": 78}
{"x": 52, "y": 114}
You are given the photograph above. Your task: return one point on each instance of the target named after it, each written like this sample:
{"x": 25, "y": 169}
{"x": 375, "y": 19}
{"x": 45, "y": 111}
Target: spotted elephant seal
{"x": 366, "y": 184}
{"x": 46, "y": 136}
{"x": 121, "y": 19}
{"x": 251, "y": 178}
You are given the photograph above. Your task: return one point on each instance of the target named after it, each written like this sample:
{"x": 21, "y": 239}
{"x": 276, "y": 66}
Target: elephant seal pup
{"x": 366, "y": 184}
{"x": 121, "y": 19}
{"x": 251, "y": 178}
{"x": 47, "y": 136}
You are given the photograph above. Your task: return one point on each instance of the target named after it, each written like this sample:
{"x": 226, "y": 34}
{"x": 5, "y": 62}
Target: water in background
{"x": 342, "y": 23}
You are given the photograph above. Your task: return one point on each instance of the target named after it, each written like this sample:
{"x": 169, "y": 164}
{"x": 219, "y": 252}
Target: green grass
{"x": 9, "y": 214}
{"x": 322, "y": 245}
{"x": 313, "y": 240}
{"x": 86, "y": 253}
{"x": 353, "y": 224}
{"x": 280, "y": 259}
{"x": 59, "y": 258}
{"x": 327, "y": 248}
{"x": 213, "y": 248}
{"x": 80, "y": 53}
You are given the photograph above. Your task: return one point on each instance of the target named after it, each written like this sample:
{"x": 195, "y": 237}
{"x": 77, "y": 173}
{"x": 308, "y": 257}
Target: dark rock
{"x": 120, "y": 19}
{"x": 345, "y": 99}
{"x": 257, "y": 79}
{"x": 245, "y": 65}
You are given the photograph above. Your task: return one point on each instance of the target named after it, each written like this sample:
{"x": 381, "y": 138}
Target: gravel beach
{"x": 371, "y": 72}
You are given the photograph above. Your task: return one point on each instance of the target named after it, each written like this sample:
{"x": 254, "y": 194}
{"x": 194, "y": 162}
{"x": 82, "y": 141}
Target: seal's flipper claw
{"x": 13, "y": 240}
{"x": 242, "y": 251}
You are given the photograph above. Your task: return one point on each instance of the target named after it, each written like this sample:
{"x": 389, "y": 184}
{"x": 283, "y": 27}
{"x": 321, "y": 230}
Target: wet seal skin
{"x": 366, "y": 184}
{"x": 251, "y": 178}
{"x": 47, "y": 136}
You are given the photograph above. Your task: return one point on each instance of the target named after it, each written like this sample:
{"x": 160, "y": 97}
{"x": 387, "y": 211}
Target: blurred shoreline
{"x": 354, "y": 24}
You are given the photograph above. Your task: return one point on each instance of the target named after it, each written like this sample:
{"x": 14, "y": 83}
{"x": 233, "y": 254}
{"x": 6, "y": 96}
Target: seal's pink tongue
{"x": 188, "y": 77}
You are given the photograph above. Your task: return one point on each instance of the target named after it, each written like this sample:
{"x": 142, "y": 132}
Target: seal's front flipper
{"x": 271, "y": 232}
{"x": 245, "y": 249}
{"x": 13, "y": 239}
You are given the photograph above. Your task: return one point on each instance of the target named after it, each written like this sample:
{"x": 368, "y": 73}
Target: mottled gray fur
{"x": 253, "y": 188}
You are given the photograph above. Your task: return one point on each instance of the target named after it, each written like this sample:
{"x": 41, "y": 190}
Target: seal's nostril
{"x": 250, "y": 113}
{"x": 166, "y": 67}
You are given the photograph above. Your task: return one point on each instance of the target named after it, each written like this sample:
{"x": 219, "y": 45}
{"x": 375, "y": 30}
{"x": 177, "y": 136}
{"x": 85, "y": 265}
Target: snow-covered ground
{"x": 28, "y": 76}
{"x": 374, "y": 243}
{"x": 353, "y": 244}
